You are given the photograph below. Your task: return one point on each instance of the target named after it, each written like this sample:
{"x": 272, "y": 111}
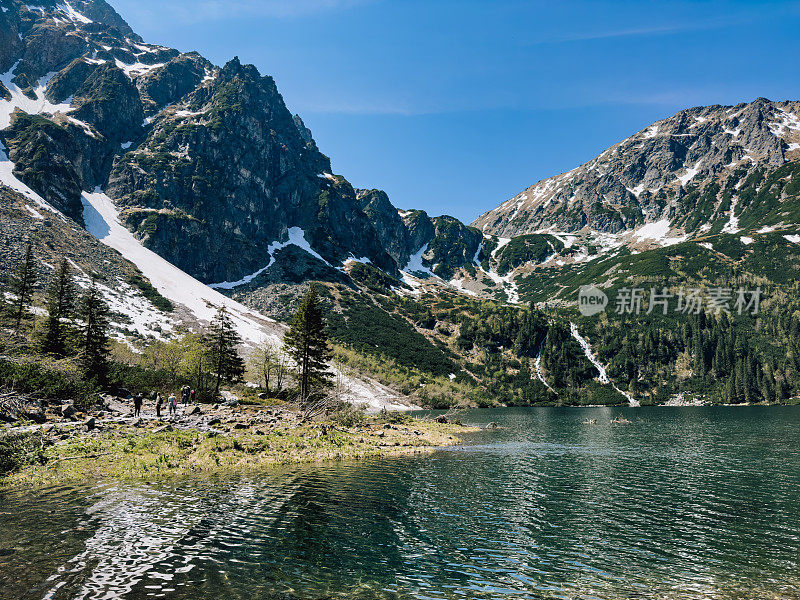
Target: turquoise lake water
{"x": 682, "y": 503}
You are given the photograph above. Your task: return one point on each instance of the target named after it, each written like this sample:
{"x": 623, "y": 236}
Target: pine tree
{"x": 222, "y": 340}
{"x": 307, "y": 343}
{"x": 60, "y": 305}
{"x": 94, "y": 335}
{"x": 22, "y": 283}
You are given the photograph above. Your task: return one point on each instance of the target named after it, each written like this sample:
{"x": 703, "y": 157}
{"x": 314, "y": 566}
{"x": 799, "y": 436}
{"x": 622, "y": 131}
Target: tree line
{"x": 77, "y": 325}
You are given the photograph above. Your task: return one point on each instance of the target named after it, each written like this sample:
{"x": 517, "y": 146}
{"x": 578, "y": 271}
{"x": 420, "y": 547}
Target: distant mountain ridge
{"x": 644, "y": 178}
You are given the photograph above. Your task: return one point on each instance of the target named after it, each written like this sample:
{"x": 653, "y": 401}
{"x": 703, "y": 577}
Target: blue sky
{"x": 453, "y": 106}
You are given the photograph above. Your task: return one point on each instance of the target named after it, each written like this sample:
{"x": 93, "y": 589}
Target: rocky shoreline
{"x": 203, "y": 439}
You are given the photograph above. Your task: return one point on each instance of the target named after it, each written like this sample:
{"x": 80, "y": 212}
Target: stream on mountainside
{"x": 683, "y": 503}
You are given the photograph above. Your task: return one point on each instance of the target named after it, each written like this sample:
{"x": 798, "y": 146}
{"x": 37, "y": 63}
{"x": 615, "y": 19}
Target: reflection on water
{"x": 683, "y": 503}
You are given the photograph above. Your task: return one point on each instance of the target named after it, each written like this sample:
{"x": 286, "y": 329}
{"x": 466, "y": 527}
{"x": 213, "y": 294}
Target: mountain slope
{"x": 650, "y": 176}
{"x": 208, "y": 167}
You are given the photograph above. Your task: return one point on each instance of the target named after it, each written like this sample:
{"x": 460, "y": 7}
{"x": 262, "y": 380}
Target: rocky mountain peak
{"x": 643, "y": 178}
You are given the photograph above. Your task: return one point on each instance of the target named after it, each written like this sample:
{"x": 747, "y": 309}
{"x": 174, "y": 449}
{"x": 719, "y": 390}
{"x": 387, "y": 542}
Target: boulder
{"x": 90, "y": 423}
{"x": 33, "y": 411}
{"x": 68, "y": 410}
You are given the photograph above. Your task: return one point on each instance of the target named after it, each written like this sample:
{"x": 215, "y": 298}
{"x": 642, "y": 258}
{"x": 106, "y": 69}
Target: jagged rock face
{"x": 110, "y": 102}
{"x": 225, "y": 173}
{"x": 453, "y": 245}
{"x": 42, "y": 153}
{"x": 171, "y": 82}
{"x": 220, "y": 171}
{"x": 448, "y": 243}
{"x": 101, "y": 12}
{"x": 643, "y": 178}
{"x": 64, "y": 84}
{"x": 391, "y": 229}
{"x": 420, "y": 229}
{"x": 11, "y": 45}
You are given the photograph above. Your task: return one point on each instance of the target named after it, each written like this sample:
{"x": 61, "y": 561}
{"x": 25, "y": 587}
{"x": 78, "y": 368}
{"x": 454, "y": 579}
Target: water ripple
{"x": 682, "y": 504}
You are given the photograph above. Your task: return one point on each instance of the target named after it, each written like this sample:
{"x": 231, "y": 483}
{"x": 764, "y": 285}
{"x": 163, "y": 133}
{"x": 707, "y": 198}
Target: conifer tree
{"x": 222, "y": 340}
{"x": 94, "y": 334}
{"x": 60, "y": 306}
{"x": 22, "y": 283}
{"x": 307, "y": 343}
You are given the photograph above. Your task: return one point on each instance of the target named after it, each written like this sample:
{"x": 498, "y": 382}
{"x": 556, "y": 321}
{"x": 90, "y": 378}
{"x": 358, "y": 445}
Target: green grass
{"x": 126, "y": 453}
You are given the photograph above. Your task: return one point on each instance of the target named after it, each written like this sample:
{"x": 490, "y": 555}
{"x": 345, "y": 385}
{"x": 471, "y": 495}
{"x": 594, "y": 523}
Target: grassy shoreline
{"x": 124, "y": 451}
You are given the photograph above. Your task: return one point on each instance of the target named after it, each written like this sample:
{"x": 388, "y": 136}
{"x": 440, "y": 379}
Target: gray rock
{"x": 637, "y": 180}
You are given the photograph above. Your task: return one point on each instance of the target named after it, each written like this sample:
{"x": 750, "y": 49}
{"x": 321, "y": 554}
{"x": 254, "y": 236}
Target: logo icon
{"x": 591, "y": 300}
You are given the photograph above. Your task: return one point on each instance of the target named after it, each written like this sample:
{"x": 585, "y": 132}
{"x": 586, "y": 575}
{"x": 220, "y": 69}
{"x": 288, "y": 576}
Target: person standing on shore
{"x": 137, "y": 405}
{"x": 172, "y": 405}
{"x": 158, "y": 405}
{"x": 193, "y": 396}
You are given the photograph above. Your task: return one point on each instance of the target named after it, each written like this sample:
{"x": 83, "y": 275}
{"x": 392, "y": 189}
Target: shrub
{"x": 395, "y": 417}
{"x": 348, "y": 415}
{"x": 142, "y": 379}
{"x": 49, "y": 382}
{"x": 20, "y": 449}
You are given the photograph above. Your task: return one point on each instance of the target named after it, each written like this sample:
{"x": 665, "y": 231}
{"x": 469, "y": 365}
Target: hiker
{"x": 158, "y": 405}
{"x": 172, "y": 405}
{"x": 185, "y": 395}
{"x": 192, "y": 396}
{"x": 137, "y": 405}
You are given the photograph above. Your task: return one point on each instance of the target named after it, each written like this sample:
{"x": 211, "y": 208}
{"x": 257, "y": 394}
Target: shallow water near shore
{"x": 681, "y": 503}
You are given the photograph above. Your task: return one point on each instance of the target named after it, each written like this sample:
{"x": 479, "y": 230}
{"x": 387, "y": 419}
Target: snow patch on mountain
{"x": 134, "y": 70}
{"x": 415, "y": 266}
{"x": 653, "y": 231}
{"x": 732, "y": 226}
{"x": 72, "y": 14}
{"x": 650, "y": 132}
{"x": 102, "y": 220}
{"x": 459, "y": 285}
{"x": 690, "y": 173}
{"x": 40, "y": 105}
{"x": 34, "y": 213}
{"x": 501, "y": 242}
{"x": 297, "y": 237}
{"x": 507, "y": 283}
{"x": 603, "y": 376}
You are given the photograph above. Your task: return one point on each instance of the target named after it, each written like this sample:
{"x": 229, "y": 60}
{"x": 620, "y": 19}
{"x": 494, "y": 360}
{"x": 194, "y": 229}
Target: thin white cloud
{"x": 670, "y": 98}
{"x": 636, "y": 32}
